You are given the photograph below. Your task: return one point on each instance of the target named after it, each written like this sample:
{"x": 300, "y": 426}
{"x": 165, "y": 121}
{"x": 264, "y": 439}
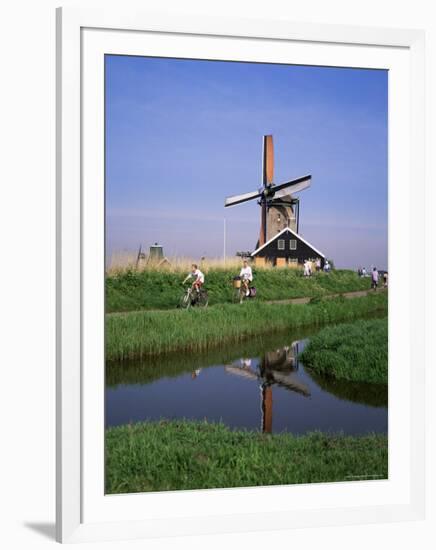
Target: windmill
{"x": 279, "y": 208}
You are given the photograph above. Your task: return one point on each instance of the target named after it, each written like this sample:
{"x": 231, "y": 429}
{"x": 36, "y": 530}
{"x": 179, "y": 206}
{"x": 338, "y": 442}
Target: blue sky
{"x": 181, "y": 135}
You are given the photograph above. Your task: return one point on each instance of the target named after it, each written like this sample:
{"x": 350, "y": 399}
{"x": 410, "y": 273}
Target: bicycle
{"x": 240, "y": 291}
{"x": 193, "y": 298}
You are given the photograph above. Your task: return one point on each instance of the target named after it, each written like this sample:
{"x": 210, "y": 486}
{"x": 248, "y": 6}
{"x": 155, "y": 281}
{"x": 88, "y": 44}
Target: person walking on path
{"x": 374, "y": 278}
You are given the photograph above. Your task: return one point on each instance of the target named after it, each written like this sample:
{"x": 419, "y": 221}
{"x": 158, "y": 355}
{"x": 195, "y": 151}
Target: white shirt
{"x": 246, "y": 273}
{"x": 198, "y": 275}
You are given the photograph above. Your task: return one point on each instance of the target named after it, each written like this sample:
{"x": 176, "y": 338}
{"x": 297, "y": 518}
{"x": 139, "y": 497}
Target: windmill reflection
{"x": 279, "y": 367}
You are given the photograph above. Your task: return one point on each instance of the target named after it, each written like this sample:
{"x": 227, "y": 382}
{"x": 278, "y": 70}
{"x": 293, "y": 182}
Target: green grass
{"x": 154, "y": 289}
{"x": 356, "y": 352}
{"x": 138, "y": 334}
{"x": 171, "y": 455}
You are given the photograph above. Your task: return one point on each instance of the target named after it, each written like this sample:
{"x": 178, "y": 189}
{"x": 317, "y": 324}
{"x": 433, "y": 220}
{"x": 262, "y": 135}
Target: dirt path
{"x": 305, "y": 300}
{"x": 353, "y": 294}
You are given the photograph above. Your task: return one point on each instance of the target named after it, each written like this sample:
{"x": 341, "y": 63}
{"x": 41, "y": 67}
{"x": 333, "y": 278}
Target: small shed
{"x": 286, "y": 248}
{"x": 155, "y": 257}
{"x": 156, "y": 253}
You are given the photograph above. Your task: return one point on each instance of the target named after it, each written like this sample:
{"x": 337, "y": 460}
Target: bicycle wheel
{"x": 242, "y": 295}
{"x": 203, "y": 299}
{"x": 238, "y": 296}
{"x": 235, "y": 296}
{"x": 185, "y": 301}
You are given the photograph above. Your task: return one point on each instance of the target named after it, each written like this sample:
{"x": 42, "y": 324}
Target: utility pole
{"x": 224, "y": 244}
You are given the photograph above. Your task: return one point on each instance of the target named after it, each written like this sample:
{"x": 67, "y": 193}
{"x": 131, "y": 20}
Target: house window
{"x": 293, "y": 244}
{"x": 281, "y": 244}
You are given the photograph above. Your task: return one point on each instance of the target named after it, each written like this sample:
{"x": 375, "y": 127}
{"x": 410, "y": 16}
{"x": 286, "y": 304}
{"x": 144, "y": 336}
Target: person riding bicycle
{"x": 199, "y": 278}
{"x": 246, "y": 277}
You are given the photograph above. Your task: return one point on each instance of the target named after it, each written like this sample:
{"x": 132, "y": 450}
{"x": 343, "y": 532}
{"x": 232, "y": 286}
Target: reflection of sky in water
{"x": 234, "y": 396}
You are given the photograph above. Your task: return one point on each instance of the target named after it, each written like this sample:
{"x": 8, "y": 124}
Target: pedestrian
{"x": 326, "y": 266}
{"x": 306, "y": 271}
{"x": 385, "y": 279}
{"x": 318, "y": 264}
{"x": 363, "y": 271}
{"x": 374, "y": 278}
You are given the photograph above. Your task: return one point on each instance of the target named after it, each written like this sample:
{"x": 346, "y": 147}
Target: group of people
{"x": 307, "y": 267}
{"x": 246, "y": 275}
{"x": 375, "y": 276}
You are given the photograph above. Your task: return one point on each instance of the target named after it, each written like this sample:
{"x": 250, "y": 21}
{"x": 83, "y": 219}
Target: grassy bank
{"x": 161, "y": 456}
{"x": 138, "y": 334}
{"x": 356, "y": 352}
{"x": 132, "y": 290}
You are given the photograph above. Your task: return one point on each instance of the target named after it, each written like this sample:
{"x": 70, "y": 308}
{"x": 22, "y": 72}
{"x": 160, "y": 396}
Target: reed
{"x": 140, "y": 334}
{"x": 122, "y": 262}
{"x": 176, "y": 455}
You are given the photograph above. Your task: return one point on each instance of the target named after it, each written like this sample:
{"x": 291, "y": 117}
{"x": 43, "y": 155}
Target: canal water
{"x": 258, "y": 385}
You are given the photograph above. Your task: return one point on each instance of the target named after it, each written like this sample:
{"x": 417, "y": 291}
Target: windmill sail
{"x": 268, "y": 160}
{"x": 273, "y": 192}
{"x": 277, "y": 211}
{"x": 293, "y": 186}
{"x": 267, "y": 180}
{"x": 237, "y": 199}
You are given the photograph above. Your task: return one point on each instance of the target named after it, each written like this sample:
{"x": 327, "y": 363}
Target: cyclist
{"x": 246, "y": 277}
{"x": 198, "y": 278}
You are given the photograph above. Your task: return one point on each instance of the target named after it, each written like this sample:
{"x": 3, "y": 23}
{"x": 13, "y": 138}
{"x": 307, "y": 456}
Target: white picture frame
{"x": 84, "y": 513}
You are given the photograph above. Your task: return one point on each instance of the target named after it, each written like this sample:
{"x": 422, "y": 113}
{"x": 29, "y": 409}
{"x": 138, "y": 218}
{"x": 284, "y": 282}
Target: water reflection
{"x": 374, "y": 395}
{"x": 258, "y": 385}
{"x": 278, "y": 367}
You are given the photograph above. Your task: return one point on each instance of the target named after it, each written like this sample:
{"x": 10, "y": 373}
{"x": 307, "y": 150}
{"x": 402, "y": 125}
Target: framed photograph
{"x": 240, "y": 325}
